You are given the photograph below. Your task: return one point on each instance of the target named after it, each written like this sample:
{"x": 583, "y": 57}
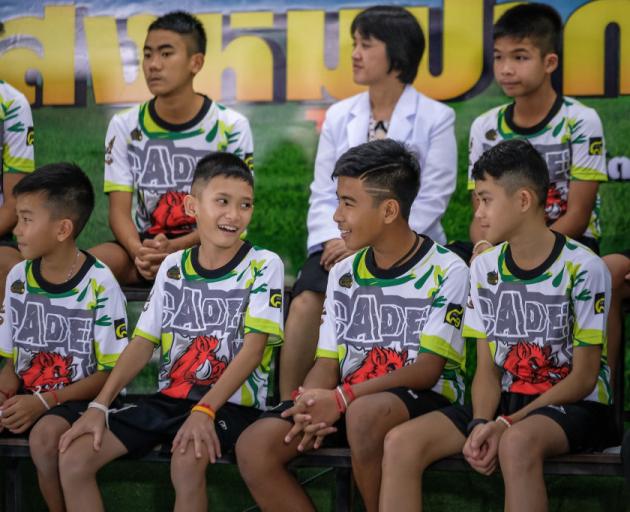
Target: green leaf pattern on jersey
{"x": 575, "y": 125}
{"x": 505, "y": 131}
{"x": 363, "y": 277}
{"x": 257, "y": 269}
{"x": 508, "y": 277}
{"x": 438, "y": 279}
{"x": 157, "y": 133}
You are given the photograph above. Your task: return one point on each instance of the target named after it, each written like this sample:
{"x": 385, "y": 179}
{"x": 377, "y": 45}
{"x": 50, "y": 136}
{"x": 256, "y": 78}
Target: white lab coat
{"x": 426, "y": 125}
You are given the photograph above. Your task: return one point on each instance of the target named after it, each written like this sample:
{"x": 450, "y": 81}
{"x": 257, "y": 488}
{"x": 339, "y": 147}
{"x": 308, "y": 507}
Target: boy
{"x": 63, "y": 323}
{"x": 388, "y": 47}
{"x": 538, "y": 306}
{"x": 216, "y": 313}
{"x": 567, "y": 134}
{"x": 391, "y": 334}
{"x": 151, "y": 151}
{"x": 17, "y": 159}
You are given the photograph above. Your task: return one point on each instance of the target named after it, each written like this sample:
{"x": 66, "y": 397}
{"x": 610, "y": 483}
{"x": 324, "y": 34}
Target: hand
{"x": 478, "y": 248}
{"x": 334, "y": 251}
{"x": 198, "y": 429}
{"x": 628, "y": 277}
{"x": 91, "y": 422}
{"x": 20, "y": 412}
{"x": 482, "y": 447}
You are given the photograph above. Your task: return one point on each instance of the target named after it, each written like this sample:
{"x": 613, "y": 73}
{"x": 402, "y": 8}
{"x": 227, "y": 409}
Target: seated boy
{"x": 538, "y": 306}
{"x": 63, "y": 323}
{"x": 390, "y": 346}
{"x": 151, "y": 151}
{"x": 567, "y": 134}
{"x": 17, "y": 159}
{"x": 215, "y": 311}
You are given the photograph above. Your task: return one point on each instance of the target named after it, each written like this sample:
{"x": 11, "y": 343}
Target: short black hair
{"x": 539, "y": 22}
{"x": 401, "y": 33}
{"x": 389, "y": 170}
{"x": 219, "y": 163}
{"x": 515, "y": 164}
{"x": 68, "y": 191}
{"x": 185, "y": 24}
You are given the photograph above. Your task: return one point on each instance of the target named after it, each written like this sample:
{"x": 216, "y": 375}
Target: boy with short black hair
{"x": 538, "y": 306}
{"x": 151, "y": 151}
{"x": 568, "y": 135}
{"x": 390, "y": 345}
{"x": 215, "y": 311}
{"x": 63, "y": 323}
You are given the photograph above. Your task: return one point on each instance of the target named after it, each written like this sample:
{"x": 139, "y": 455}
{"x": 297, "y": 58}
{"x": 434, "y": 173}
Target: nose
{"x": 337, "y": 216}
{"x": 153, "y": 62}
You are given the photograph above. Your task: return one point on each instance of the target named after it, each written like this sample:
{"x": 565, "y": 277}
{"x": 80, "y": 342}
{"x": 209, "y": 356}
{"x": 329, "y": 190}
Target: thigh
{"x": 118, "y": 260}
{"x": 265, "y": 438}
{"x": 421, "y": 402}
{"x": 537, "y": 434}
{"x": 48, "y": 429}
{"x": 230, "y": 422}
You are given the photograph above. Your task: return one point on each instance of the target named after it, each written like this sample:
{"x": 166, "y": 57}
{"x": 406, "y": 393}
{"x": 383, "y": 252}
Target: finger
{"x": 98, "y": 439}
{"x": 313, "y": 428}
{"x": 307, "y": 440}
{"x": 325, "y": 431}
{"x": 184, "y": 443}
{"x": 295, "y": 430}
{"x": 214, "y": 439}
{"x": 295, "y": 409}
{"x": 197, "y": 442}
{"x": 176, "y": 441}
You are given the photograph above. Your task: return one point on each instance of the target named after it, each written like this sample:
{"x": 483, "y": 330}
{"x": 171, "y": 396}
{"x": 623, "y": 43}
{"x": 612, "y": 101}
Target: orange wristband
{"x": 206, "y": 409}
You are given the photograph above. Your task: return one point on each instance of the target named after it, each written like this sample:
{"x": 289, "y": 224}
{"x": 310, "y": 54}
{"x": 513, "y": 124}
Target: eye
{"x": 497, "y": 57}
{"x": 222, "y": 201}
{"x": 166, "y": 54}
{"x": 246, "y": 205}
{"x": 147, "y": 54}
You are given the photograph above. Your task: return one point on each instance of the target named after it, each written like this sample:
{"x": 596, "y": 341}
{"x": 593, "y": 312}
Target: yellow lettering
{"x": 584, "y": 47}
{"x": 55, "y": 62}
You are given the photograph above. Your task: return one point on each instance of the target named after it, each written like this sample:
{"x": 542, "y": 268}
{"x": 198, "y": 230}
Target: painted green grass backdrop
{"x": 285, "y": 145}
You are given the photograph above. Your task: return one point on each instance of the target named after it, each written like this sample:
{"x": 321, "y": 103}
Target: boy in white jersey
{"x": 151, "y": 151}
{"x": 63, "y": 323}
{"x": 567, "y": 134}
{"x": 538, "y": 306}
{"x": 215, "y": 311}
{"x": 390, "y": 345}
{"x": 16, "y": 160}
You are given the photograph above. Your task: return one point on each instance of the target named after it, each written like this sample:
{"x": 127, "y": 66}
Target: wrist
{"x": 504, "y": 420}
{"x": 475, "y": 422}
{"x": 103, "y": 408}
{"x": 206, "y": 409}
{"x": 481, "y": 245}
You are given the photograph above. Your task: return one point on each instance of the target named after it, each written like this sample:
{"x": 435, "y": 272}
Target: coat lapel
{"x": 404, "y": 115}
{"x": 357, "y": 128}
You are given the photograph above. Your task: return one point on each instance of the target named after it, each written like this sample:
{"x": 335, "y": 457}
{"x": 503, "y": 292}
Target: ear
{"x": 65, "y": 229}
{"x": 196, "y": 62}
{"x": 550, "y": 62}
{"x": 391, "y": 210}
{"x": 190, "y": 205}
{"x": 526, "y": 199}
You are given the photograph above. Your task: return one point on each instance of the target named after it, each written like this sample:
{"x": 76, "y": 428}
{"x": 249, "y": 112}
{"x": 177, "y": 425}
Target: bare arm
{"x": 580, "y": 203}
{"x": 324, "y": 374}
{"x": 8, "y": 217}
{"x": 121, "y": 222}
{"x": 486, "y": 385}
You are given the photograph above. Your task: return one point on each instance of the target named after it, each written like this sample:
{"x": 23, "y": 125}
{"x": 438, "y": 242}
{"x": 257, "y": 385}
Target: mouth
{"x": 345, "y": 233}
{"x": 228, "y": 228}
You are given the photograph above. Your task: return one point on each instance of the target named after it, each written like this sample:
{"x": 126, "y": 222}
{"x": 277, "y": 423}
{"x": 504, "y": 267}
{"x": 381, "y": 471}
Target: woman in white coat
{"x": 388, "y": 45}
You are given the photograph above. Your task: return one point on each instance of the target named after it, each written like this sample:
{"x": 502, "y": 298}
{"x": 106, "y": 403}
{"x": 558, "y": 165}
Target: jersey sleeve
{"x": 118, "y": 174}
{"x": 588, "y": 151}
{"x": 110, "y": 331}
{"x": 149, "y": 324}
{"x": 18, "y": 154}
{"x": 264, "y": 311}
{"x": 442, "y": 333}
{"x": 327, "y": 343}
{"x": 240, "y": 141}
{"x": 473, "y": 321}
{"x": 591, "y": 300}
{"x": 475, "y": 149}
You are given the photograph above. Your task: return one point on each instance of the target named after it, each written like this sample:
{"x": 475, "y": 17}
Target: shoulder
{"x": 577, "y": 110}
{"x": 430, "y": 108}
{"x": 448, "y": 259}
{"x": 227, "y": 114}
{"x": 581, "y": 255}
{"x": 488, "y": 259}
{"x": 8, "y": 93}
{"x": 127, "y": 117}
{"x": 488, "y": 117}
{"x": 260, "y": 253}
{"x": 342, "y": 108}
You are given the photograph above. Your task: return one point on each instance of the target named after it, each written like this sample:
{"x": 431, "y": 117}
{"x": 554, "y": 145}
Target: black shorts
{"x": 420, "y": 402}
{"x": 155, "y": 419}
{"x": 70, "y": 411}
{"x": 586, "y": 424}
{"x": 312, "y": 276}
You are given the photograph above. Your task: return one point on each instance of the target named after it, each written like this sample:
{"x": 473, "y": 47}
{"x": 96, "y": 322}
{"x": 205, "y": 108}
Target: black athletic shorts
{"x": 155, "y": 419}
{"x": 70, "y": 411}
{"x": 586, "y": 424}
{"x": 312, "y": 277}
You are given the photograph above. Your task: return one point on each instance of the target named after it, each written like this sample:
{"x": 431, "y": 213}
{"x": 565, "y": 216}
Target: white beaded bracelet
{"x": 102, "y": 408}
{"x": 479, "y": 243}
{"x": 42, "y": 399}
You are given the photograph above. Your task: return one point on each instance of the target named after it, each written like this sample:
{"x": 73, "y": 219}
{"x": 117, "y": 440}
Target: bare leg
{"x": 619, "y": 267}
{"x": 301, "y": 332}
{"x": 368, "y": 420}
{"x": 262, "y": 458}
{"x": 43, "y": 442}
{"x": 119, "y": 262}
{"x": 188, "y": 475}
{"x": 409, "y": 449}
{"x": 9, "y": 257}
{"x": 522, "y": 450}
{"x": 78, "y": 466}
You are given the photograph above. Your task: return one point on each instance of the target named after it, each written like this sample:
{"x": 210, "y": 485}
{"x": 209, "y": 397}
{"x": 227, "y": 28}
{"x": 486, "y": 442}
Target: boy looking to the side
{"x": 538, "y": 306}
{"x": 63, "y": 323}
{"x": 151, "y": 151}
{"x": 567, "y": 134}
{"x": 215, "y": 311}
{"x": 390, "y": 346}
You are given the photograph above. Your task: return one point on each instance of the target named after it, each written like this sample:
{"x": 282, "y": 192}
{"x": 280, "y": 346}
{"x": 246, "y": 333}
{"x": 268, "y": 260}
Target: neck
{"x": 393, "y": 245}
{"x": 532, "y": 244}
{"x": 212, "y": 257}
{"x": 532, "y": 109}
{"x": 62, "y": 264}
{"x": 179, "y": 106}
{"x": 383, "y": 98}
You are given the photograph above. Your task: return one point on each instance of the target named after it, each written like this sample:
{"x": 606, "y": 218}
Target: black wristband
{"x": 472, "y": 424}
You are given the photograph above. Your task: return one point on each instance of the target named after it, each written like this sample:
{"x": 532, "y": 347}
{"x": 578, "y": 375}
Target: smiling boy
{"x": 390, "y": 345}
{"x": 215, "y": 312}
{"x": 568, "y": 135}
{"x": 151, "y": 151}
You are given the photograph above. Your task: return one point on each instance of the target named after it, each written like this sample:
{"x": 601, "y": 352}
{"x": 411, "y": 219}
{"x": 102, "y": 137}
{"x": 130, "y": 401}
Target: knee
{"x": 517, "y": 451}
{"x": 44, "y": 445}
{"x": 307, "y": 303}
{"x": 75, "y": 463}
{"x": 254, "y": 457}
{"x": 188, "y": 470}
{"x": 362, "y": 427}
{"x": 401, "y": 455}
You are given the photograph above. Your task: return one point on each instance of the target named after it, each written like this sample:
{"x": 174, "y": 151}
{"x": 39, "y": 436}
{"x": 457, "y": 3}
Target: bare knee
{"x": 518, "y": 451}
{"x": 402, "y": 453}
{"x": 77, "y": 462}
{"x": 307, "y": 304}
{"x": 364, "y": 436}
{"x": 187, "y": 470}
{"x": 256, "y": 452}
